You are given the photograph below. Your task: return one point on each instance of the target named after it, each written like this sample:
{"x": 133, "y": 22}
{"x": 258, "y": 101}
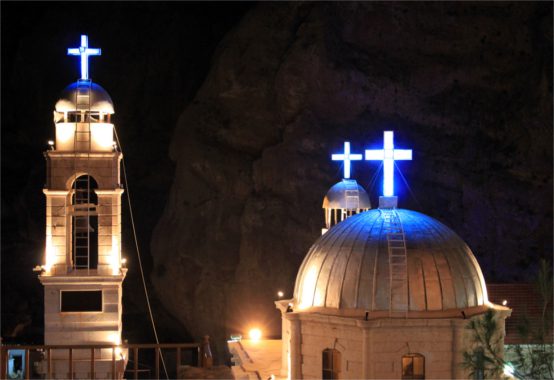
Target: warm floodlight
{"x": 346, "y": 157}
{"x": 504, "y": 303}
{"x": 388, "y": 155}
{"x": 280, "y": 294}
{"x": 255, "y": 334}
{"x": 509, "y": 369}
{"x": 84, "y": 52}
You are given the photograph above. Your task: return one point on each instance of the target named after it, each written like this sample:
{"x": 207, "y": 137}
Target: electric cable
{"x": 138, "y": 254}
{"x": 408, "y": 186}
{"x": 373, "y": 179}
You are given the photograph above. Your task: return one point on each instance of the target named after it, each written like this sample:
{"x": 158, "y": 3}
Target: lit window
{"x": 413, "y": 366}
{"x": 331, "y": 364}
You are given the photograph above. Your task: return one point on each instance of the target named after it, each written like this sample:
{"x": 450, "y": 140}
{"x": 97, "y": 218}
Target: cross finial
{"x": 346, "y": 157}
{"x": 84, "y": 51}
{"x": 388, "y": 155}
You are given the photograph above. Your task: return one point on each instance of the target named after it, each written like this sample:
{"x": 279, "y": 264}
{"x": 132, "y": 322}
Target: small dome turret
{"x": 83, "y": 118}
{"x": 85, "y": 95}
{"x": 344, "y": 199}
{"x": 337, "y": 196}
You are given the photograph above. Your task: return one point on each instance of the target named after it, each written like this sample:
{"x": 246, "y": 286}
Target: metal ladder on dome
{"x": 352, "y": 196}
{"x": 81, "y": 202}
{"x": 398, "y": 260}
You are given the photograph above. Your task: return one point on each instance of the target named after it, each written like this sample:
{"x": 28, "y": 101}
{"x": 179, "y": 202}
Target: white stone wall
{"x": 62, "y": 170}
{"x": 63, "y": 167}
{"x": 319, "y": 335}
{"x": 56, "y": 230}
{"x": 109, "y": 229}
{"x": 440, "y": 341}
{"x": 83, "y": 327}
{"x": 392, "y": 339}
{"x": 101, "y": 135}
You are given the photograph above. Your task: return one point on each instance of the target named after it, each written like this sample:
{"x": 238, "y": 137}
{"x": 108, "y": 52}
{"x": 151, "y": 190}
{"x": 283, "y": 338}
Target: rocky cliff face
{"x": 467, "y": 86}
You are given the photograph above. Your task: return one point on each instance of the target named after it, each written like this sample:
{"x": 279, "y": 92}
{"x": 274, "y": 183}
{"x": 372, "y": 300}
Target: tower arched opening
{"x": 84, "y": 223}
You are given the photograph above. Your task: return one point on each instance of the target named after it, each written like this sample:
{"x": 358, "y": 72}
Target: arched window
{"x": 331, "y": 364}
{"x": 84, "y": 223}
{"x": 413, "y": 366}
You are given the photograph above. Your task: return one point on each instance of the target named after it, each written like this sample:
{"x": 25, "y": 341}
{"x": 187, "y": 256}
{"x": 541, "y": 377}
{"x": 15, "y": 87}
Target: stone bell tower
{"x": 82, "y": 274}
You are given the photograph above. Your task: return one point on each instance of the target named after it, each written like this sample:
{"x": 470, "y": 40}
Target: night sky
{"x": 156, "y": 57}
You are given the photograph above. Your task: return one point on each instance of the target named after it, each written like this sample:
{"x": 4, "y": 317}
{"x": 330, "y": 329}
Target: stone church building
{"x": 383, "y": 294}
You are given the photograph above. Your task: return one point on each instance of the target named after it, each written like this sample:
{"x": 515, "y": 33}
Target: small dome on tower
{"x": 100, "y": 100}
{"x": 337, "y": 196}
{"x": 343, "y": 200}
{"x": 390, "y": 261}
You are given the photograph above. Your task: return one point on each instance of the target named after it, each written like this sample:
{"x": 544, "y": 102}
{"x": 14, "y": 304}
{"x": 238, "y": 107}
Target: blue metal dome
{"x": 85, "y": 93}
{"x": 390, "y": 260}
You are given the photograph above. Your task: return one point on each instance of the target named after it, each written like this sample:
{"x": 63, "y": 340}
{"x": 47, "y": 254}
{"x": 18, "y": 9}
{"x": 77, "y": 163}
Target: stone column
{"x": 282, "y": 305}
{"x": 367, "y": 350}
{"x": 295, "y": 346}
{"x": 458, "y": 347}
{"x": 109, "y": 230}
{"x": 367, "y": 354}
{"x": 56, "y": 246}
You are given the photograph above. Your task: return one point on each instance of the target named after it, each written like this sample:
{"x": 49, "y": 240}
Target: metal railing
{"x": 47, "y": 352}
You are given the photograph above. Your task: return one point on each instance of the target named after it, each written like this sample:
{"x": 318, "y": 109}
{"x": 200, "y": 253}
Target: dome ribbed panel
{"x": 98, "y": 98}
{"x": 336, "y": 197}
{"x": 348, "y": 267}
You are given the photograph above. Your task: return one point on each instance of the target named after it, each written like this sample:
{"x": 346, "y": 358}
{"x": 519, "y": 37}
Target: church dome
{"x": 347, "y": 269}
{"x": 336, "y": 197}
{"x": 100, "y": 100}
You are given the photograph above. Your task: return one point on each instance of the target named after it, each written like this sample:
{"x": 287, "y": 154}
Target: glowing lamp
{"x": 347, "y": 157}
{"x": 509, "y": 370}
{"x": 280, "y": 294}
{"x": 504, "y": 303}
{"x": 49, "y": 255}
{"x": 119, "y": 352}
{"x": 102, "y": 136}
{"x": 388, "y": 155}
{"x": 115, "y": 338}
{"x": 255, "y": 334}
{"x": 84, "y": 52}
{"x": 64, "y": 135}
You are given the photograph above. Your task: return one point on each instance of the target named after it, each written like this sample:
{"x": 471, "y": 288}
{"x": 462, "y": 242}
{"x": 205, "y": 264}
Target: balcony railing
{"x": 127, "y": 354}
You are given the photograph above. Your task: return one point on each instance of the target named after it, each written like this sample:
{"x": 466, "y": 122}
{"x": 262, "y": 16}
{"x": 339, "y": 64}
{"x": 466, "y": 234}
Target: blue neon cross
{"x": 346, "y": 157}
{"x": 388, "y": 155}
{"x": 84, "y": 51}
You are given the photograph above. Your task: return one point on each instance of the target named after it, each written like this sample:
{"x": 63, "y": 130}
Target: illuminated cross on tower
{"x": 346, "y": 157}
{"x": 388, "y": 155}
{"x": 84, "y": 51}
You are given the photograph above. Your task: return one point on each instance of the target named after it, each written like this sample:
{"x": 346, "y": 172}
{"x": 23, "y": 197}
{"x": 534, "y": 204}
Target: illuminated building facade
{"x": 384, "y": 294}
{"x": 83, "y": 274}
